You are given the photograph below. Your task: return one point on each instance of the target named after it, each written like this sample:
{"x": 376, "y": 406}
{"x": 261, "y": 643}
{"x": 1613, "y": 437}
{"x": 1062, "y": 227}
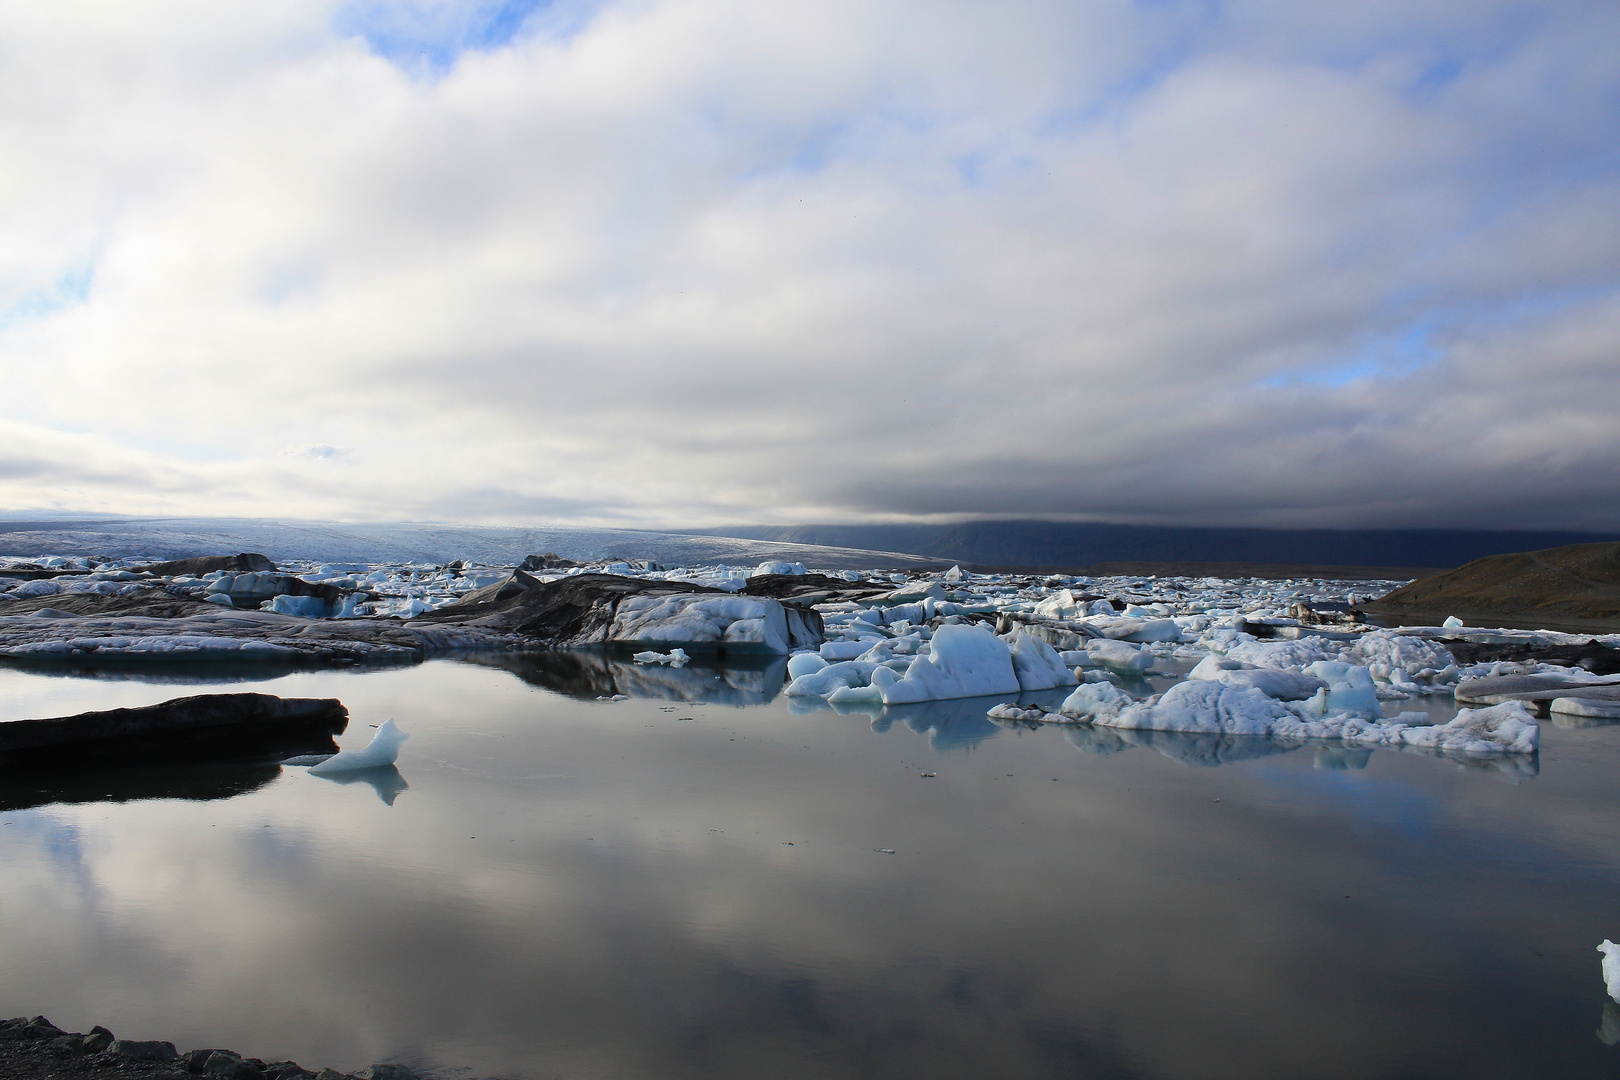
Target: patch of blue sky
{"x": 1436, "y": 77}
{"x": 71, "y": 287}
{"x": 1385, "y": 356}
{"x": 425, "y": 38}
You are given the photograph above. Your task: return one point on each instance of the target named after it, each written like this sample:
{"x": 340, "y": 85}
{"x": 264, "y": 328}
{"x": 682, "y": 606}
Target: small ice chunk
{"x": 871, "y": 693}
{"x": 1611, "y": 967}
{"x": 1094, "y": 701}
{"x": 1452, "y": 622}
{"x": 1500, "y": 729}
{"x": 1283, "y": 685}
{"x": 1120, "y": 656}
{"x": 1349, "y": 690}
{"x": 1059, "y": 605}
{"x": 674, "y": 658}
{"x": 1144, "y": 631}
{"x": 382, "y": 750}
{"x": 834, "y": 651}
{"x": 309, "y": 607}
{"x": 795, "y": 569}
{"x": 831, "y": 678}
{"x": 1594, "y": 708}
{"x": 804, "y": 663}
{"x": 1030, "y": 714}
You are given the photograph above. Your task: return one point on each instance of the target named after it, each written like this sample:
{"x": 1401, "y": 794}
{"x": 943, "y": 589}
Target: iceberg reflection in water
{"x": 385, "y": 780}
{"x": 1210, "y": 750}
{"x": 582, "y": 673}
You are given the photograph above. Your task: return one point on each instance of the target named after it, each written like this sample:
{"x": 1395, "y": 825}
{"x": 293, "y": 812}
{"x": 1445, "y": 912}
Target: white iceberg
{"x": 738, "y": 623}
{"x": 1589, "y": 708}
{"x": 382, "y": 750}
{"x": 807, "y": 663}
{"x": 1210, "y": 707}
{"x": 965, "y": 661}
{"x": 1349, "y": 690}
{"x": 1404, "y": 658}
{"x": 1120, "y": 656}
{"x": 1611, "y": 967}
{"x": 1283, "y": 685}
{"x": 1038, "y": 665}
{"x": 674, "y": 658}
{"x": 823, "y": 681}
{"x": 1095, "y": 701}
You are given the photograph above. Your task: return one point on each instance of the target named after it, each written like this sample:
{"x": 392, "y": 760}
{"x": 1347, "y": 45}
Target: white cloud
{"x": 684, "y": 263}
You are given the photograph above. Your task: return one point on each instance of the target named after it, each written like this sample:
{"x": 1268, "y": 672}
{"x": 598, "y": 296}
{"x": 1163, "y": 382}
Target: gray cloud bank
{"x": 685, "y": 263}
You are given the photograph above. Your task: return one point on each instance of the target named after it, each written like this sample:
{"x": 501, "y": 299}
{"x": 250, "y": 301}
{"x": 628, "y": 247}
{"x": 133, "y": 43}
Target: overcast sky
{"x": 692, "y": 262}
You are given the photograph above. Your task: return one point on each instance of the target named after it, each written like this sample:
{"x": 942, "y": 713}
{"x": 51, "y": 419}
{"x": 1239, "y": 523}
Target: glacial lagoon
{"x": 708, "y": 879}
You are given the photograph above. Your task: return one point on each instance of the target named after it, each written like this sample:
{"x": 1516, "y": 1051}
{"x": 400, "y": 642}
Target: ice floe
{"x": 1611, "y": 967}
{"x": 382, "y": 751}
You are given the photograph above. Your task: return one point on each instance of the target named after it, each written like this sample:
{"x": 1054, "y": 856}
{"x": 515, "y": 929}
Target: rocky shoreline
{"x": 32, "y": 1048}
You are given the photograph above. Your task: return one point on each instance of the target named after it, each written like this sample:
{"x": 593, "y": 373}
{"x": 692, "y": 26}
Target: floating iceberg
{"x": 382, "y": 750}
{"x": 1119, "y": 656}
{"x": 1283, "y": 685}
{"x": 1210, "y": 707}
{"x": 965, "y": 661}
{"x": 794, "y": 568}
{"x": 1611, "y": 967}
{"x": 674, "y": 658}
{"x": 741, "y": 623}
{"x": 1038, "y": 665}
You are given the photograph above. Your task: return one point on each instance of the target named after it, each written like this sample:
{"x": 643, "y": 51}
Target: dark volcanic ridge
{"x": 1575, "y": 585}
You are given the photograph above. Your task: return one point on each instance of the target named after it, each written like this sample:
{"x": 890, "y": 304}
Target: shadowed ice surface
{"x": 700, "y": 882}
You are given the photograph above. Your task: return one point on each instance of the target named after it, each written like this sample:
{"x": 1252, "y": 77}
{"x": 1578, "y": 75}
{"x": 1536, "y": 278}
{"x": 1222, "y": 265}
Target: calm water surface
{"x": 696, "y": 882}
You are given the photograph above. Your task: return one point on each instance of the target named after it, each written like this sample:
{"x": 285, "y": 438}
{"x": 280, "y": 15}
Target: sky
{"x": 674, "y": 263}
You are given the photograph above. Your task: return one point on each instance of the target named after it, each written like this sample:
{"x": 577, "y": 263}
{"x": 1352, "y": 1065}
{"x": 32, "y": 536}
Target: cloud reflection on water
{"x": 592, "y": 889}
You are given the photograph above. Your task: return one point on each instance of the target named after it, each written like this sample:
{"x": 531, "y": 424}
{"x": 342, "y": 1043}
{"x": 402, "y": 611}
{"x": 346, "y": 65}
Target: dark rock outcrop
{"x": 813, "y": 588}
{"x": 580, "y": 611}
{"x": 1575, "y": 584}
{"x": 506, "y": 588}
{"x": 559, "y": 611}
{"x": 1589, "y": 655}
{"x": 207, "y": 564}
{"x": 208, "y": 725}
{"x": 151, "y": 603}
{"x": 32, "y": 1048}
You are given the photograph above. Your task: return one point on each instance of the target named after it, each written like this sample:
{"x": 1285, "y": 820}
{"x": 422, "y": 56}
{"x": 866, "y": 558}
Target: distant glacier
{"x": 421, "y": 542}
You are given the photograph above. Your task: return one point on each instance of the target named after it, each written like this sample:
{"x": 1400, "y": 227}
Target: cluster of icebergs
{"x": 1258, "y": 671}
{"x": 1248, "y": 657}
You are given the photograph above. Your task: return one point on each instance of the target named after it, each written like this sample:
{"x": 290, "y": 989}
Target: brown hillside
{"x": 1580, "y": 582}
